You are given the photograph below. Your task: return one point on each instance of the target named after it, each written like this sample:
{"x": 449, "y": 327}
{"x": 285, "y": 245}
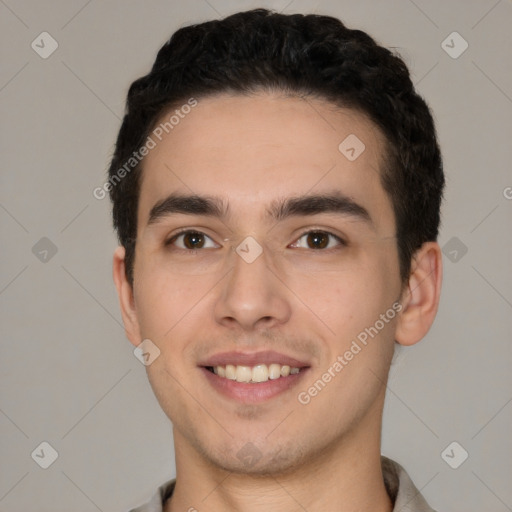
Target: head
{"x": 261, "y": 125}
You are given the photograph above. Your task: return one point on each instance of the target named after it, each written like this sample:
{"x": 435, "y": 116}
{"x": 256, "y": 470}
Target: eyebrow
{"x": 319, "y": 203}
{"x": 278, "y": 210}
{"x": 188, "y": 205}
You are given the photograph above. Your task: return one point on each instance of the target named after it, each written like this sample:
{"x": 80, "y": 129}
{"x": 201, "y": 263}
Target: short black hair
{"x": 306, "y": 55}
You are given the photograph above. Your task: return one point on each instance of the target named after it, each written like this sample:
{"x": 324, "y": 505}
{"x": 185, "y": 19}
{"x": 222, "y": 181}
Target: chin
{"x": 264, "y": 461}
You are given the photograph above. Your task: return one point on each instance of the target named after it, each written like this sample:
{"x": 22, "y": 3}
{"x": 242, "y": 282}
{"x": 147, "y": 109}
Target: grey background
{"x": 69, "y": 377}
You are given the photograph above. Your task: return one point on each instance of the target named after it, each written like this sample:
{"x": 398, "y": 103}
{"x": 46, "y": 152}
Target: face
{"x": 263, "y": 248}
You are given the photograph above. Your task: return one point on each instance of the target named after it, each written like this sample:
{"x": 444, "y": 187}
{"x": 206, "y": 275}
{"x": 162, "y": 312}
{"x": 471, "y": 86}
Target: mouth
{"x": 253, "y": 378}
{"x": 254, "y": 374}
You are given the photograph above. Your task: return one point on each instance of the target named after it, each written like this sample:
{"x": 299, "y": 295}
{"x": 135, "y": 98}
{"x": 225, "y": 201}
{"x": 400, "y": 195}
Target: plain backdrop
{"x": 68, "y": 375}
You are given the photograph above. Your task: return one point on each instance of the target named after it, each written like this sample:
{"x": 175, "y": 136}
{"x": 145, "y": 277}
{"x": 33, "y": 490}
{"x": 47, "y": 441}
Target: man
{"x": 276, "y": 187}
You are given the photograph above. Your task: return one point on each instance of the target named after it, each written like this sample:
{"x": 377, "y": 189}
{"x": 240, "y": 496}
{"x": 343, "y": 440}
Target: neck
{"x": 345, "y": 476}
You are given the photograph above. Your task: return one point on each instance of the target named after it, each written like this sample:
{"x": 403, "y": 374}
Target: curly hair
{"x": 308, "y": 55}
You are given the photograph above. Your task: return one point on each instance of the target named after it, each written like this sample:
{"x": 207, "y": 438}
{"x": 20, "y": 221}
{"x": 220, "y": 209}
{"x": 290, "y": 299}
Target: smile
{"x": 255, "y": 374}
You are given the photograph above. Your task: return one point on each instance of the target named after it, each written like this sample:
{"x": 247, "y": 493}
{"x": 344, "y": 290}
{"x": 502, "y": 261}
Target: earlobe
{"x": 421, "y": 296}
{"x": 126, "y": 298}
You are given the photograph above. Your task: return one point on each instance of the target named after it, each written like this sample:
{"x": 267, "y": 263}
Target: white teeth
{"x": 230, "y": 372}
{"x": 243, "y": 373}
{"x": 258, "y": 373}
{"x": 274, "y": 371}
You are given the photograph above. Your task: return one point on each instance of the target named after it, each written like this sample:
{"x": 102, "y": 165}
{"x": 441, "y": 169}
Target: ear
{"x": 420, "y": 298}
{"x": 126, "y": 299}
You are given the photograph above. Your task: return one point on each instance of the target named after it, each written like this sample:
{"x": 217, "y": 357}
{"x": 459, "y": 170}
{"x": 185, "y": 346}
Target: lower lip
{"x": 252, "y": 393}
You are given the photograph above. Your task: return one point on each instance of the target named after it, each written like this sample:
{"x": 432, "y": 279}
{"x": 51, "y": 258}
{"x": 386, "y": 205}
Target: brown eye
{"x": 191, "y": 240}
{"x": 317, "y": 240}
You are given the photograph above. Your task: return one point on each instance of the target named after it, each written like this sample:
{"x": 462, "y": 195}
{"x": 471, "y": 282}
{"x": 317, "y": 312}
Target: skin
{"x": 294, "y": 298}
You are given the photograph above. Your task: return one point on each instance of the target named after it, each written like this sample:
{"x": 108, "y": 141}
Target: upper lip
{"x": 252, "y": 359}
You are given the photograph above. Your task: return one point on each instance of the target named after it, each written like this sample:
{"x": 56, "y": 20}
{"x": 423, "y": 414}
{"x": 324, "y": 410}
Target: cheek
{"x": 164, "y": 300}
{"x": 345, "y": 301}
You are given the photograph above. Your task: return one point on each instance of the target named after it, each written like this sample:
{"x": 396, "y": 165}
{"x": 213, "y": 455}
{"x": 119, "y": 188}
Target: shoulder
{"x": 157, "y": 501}
{"x": 401, "y": 489}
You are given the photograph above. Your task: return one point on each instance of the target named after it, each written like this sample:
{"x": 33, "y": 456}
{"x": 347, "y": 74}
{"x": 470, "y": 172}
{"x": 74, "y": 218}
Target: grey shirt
{"x": 401, "y": 490}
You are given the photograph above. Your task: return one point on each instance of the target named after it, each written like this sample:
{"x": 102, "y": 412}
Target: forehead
{"x": 252, "y": 149}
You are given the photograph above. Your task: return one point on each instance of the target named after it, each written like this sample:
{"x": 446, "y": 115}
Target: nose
{"x": 252, "y": 296}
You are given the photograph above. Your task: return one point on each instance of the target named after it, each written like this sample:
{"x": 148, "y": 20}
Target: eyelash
{"x": 185, "y": 231}
{"x": 341, "y": 242}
